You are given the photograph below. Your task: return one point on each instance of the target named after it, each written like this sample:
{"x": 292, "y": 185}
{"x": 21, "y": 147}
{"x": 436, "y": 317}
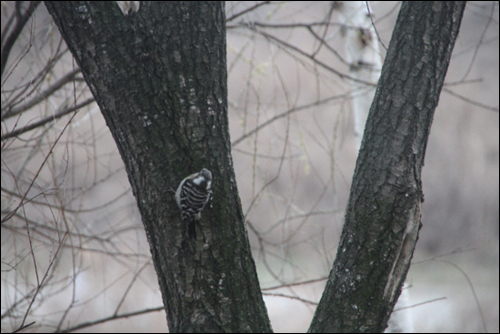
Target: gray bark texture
{"x": 383, "y": 214}
{"x": 159, "y": 78}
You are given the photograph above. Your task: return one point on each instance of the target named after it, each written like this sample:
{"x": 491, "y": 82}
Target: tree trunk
{"x": 383, "y": 215}
{"x": 363, "y": 55}
{"x": 159, "y": 77}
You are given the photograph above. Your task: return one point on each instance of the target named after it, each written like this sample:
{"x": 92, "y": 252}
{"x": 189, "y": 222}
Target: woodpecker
{"x": 192, "y": 195}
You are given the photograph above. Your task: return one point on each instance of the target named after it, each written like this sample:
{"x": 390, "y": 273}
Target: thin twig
{"x": 249, "y": 9}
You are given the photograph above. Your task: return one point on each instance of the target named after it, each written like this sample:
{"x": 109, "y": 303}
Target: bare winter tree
{"x": 158, "y": 73}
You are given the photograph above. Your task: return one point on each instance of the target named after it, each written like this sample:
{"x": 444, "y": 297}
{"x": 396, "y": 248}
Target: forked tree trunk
{"x": 159, "y": 77}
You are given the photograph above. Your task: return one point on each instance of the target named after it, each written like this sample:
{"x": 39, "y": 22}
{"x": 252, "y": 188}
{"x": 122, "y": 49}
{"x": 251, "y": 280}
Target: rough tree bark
{"x": 159, "y": 77}
{"x": 383, "y": 215}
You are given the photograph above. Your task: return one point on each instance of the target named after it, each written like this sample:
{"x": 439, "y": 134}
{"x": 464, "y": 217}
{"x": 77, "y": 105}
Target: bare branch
{"x": 247, "y": 10}
{"x": 46, "y": 120}
{"x": 290, "y": 111}
{"x": 291, "y": 297}
{"x": 113, "y": 317}
{"x": 21, "y": 19}
{"x": 67, "y": 78}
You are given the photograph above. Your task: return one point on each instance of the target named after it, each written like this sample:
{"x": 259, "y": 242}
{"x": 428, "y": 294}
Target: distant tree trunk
{"x": 159, "y": 77}
{"x": 383, "y": 215}
{"x": 363, "y": 55}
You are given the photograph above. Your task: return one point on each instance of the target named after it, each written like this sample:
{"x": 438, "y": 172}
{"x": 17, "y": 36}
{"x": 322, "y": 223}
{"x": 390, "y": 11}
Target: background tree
{"x": 120, "y": 256}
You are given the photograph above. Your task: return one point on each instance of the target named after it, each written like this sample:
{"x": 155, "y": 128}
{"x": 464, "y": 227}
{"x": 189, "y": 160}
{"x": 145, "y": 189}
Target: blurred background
{"x": 294, "y": 152}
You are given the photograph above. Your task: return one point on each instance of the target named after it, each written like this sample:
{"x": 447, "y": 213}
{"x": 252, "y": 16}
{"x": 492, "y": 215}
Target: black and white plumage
{"x": 192, "y": 195}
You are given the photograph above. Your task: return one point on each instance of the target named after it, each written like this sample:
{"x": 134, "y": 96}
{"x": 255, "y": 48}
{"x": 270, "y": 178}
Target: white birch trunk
{"x": 362, "y": 52}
